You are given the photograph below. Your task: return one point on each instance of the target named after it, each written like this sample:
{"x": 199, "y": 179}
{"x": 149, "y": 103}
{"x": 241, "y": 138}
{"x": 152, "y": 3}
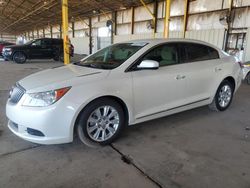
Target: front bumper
{"x": 7, "y": 55}
{"x": 54, "y": 122}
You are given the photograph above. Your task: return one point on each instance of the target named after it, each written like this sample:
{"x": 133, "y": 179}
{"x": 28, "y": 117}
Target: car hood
{"x": 59, "y": 76}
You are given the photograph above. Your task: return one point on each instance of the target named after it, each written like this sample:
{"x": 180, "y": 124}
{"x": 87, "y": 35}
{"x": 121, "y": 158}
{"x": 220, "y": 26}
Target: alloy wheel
{"x": 225, "y": 96}
{"x": 103, "y": 123}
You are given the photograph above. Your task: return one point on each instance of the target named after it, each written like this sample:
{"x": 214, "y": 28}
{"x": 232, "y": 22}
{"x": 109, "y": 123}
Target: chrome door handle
{"x": 180, "y": 77}
{"x": 218, "y": 69}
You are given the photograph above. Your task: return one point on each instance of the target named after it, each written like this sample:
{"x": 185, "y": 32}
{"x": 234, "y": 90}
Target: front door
{"x": 41, "y": 49}
{"x": 157, "y": 91}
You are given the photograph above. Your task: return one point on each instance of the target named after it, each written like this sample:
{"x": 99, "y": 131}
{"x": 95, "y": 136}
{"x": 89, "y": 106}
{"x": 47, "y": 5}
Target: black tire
{"x": 19, "y": 57}
{"x": 216, "y": 105}
{"x": 88, "y": 112}
{"x": 61, "y": 57}
{"x": 56, "y": 58}
{"x": 248, "y": 78}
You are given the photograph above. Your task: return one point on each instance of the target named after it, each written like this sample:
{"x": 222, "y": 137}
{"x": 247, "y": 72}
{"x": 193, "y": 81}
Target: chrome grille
{"x": 16, "y": 93}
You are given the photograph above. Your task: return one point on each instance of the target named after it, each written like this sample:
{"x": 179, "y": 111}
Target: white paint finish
{"x": 247, "y": 48}
{"x": 81, "y": 45}
{"x": 148, "y": 93}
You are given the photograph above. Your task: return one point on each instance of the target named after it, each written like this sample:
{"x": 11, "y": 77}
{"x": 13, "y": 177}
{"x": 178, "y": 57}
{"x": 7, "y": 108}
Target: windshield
{"x": 112, "y": 56}
{"x": 31, "y": 41}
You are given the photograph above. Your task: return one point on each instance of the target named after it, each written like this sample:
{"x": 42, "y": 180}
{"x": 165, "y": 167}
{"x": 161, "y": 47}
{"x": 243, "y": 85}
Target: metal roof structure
{"x": 17, "y": 16}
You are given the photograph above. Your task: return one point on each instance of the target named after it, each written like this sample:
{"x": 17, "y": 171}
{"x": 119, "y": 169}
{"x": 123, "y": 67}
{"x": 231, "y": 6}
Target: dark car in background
{"x": 43, "y": 48}
{"x": 3, "y": 44}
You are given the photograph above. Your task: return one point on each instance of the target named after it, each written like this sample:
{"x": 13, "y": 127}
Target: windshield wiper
{"x": 95, "y": 66}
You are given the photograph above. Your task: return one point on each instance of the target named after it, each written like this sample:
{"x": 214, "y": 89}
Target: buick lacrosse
{"x": 120, "y": 85}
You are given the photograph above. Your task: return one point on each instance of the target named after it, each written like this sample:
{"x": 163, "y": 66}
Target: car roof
{"x": 49, "y": 38}
{"x": 164, "y": 40}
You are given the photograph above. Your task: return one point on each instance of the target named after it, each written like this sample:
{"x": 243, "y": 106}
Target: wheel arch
{"x": 231, "y": 80}
{"x": 115, "y": 98}
{"x": 21, "y": 52}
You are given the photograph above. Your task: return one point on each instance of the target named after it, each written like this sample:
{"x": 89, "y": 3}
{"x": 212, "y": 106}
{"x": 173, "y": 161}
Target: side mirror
{"x": 148, "y": 64}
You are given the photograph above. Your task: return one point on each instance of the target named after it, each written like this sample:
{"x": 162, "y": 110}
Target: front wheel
{"x": 223, "y": 97}
{"x": 19, "y": 58}
{"x": 101, "y": 122}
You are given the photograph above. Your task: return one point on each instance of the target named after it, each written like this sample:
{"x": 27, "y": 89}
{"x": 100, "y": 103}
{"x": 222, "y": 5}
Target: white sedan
{"x": 123, "y": 84}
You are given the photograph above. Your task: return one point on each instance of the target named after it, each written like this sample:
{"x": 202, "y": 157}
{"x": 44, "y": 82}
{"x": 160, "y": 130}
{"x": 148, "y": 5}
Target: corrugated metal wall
{"x": 81, "y": 45}
{"x": 212, "y": 36}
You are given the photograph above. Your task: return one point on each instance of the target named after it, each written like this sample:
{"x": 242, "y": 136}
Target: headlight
{"x": 7, "y": 49}
{"x": 46, "y": 98}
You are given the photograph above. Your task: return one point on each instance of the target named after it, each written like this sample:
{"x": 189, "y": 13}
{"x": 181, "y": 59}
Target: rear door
{"x": 202, "y": 71}
{"x": 34, "y": 50}
{"x": 47, "y": 49}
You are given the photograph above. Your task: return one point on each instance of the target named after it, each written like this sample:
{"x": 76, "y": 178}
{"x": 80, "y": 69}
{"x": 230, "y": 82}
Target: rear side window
{"x": 190, "y": 52}
{"x": 46, "y": 42}
{"x": 213, "y": 53}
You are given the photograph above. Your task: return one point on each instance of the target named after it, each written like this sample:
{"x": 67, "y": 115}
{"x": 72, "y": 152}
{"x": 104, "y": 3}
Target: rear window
{"x": 191, "y": 52}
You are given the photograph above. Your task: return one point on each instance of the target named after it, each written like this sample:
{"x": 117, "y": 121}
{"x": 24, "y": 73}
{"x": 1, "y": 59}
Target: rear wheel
{"x": 223, "y": 97}
{"x": 19, "y": 57}
{"x": 101, "y": 122}
{"x": 56, "y": 58}
{"x": 61, "y": 57}
{"x": 248, "y": 78}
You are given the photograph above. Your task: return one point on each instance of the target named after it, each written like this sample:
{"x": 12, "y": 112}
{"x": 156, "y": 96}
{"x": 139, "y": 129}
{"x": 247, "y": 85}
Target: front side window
{"x": 112, "y": 56}
{"x": 37, "y": 43}
{"x": 165, "y": 54}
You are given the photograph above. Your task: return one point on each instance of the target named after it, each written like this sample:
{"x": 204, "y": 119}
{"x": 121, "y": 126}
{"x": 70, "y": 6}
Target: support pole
{"x": 229, "y": 21}
{"x": 65, "y": 23}
{"x": 155, "y": 15}
{"x": 185, "y": 21}
{"x": 73, "y": 29}
{"x": 167, "y": 18}
{"x": 132, "y": 20}
{"x": 151, "y": 13}
{"x": 90, "y": 36}
{"x": 51, "y": 32}
{"x": 115, "y": 24}
{"x": 60, "y": 28}
{"x": 43, "y": 33}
